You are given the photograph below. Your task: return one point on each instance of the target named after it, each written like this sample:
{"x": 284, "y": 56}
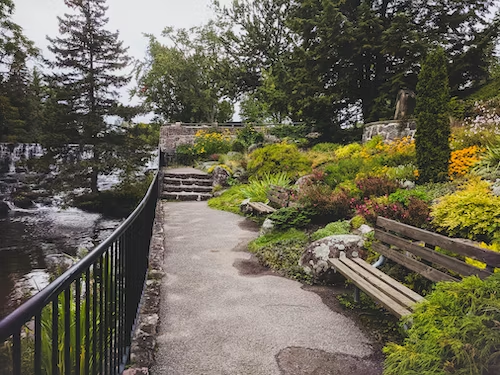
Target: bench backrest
{"x": 398, "y": 239}
{"x": 279, "y": 196}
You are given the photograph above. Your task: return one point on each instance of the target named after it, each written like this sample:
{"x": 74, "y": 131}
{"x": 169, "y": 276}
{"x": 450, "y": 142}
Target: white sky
{"x": 132, "y": 18}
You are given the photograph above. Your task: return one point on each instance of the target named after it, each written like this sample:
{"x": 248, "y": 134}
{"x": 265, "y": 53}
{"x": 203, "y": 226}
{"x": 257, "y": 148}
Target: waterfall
{"x": 11, "y": 154}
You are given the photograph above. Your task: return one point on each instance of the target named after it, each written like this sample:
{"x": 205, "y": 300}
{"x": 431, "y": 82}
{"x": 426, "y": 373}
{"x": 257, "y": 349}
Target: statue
{"x": 405, "y": 104}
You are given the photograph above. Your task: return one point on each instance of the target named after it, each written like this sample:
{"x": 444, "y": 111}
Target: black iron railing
{"x": 82, "y": 323}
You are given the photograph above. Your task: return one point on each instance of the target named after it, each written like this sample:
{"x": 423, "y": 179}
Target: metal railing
{"x": 82, "y": 323}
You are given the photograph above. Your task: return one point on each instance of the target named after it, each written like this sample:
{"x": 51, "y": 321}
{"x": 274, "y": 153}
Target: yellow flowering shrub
{"x": 209, "y": 142}
{"x": 461, "y": 161}
{"x": 320, "y": 158}
{"x": 348, "y": 151}
{"x": 223, "y": 166}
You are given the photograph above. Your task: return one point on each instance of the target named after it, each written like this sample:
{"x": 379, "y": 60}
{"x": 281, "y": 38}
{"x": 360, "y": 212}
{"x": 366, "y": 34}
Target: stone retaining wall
{"x": 389, "y": 130}
{"x": 146, "y": 331}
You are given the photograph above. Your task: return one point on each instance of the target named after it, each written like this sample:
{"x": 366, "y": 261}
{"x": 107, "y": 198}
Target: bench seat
{"x": 261, "y": 208}
{"x": 393, "y": 295}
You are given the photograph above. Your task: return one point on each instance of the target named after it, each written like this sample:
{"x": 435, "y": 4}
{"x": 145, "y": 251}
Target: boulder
{"x": 244, "y": 207}
{"x": 304, "y": 180}
{"x": 267, "y": 227}
{"x": 316, "y": 255}
{"x": 4, "y": 208}
{"x": 220, "y": 176}
{"x": 365, "y": 229}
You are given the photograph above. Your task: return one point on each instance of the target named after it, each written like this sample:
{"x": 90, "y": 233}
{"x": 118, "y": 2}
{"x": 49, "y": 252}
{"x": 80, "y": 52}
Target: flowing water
{"x": 37, "y": 243}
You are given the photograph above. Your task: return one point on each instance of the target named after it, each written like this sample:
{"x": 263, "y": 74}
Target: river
{"x": 37, "y": 243}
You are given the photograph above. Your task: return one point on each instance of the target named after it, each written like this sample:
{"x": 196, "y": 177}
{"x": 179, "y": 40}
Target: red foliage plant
{"x": 376, "y": 186}
{"x": 324, "y": 202}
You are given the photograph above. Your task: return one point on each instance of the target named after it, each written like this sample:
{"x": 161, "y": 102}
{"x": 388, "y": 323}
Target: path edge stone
{"x": 143, "y": 348}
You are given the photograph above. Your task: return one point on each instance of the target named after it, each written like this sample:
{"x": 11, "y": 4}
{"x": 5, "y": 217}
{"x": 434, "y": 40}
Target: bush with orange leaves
{"x": 463, "y": 160}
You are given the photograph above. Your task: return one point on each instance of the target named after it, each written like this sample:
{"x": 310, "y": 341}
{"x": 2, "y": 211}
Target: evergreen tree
{"x": 433, "y": 125}
{"x": 89, "y": 59}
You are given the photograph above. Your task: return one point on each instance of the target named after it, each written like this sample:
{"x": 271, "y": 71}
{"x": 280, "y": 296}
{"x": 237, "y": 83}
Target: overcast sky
{"x": 131, "y": 18}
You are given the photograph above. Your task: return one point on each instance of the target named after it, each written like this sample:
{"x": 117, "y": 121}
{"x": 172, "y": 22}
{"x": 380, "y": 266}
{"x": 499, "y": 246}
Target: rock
{"x": 316, "y": 255}
{"x": 365, "y": 229}
{"x": 267, "y": 227}
{"x": 22, "y": 202}
{"x": 244, "y": 207}
{"x": 220, "y": 176}
{"x": 495, "y": 189}
{"x": 408, "y": 184}
{"x": 4, "y": 208}
{"x": 304, "y": 180}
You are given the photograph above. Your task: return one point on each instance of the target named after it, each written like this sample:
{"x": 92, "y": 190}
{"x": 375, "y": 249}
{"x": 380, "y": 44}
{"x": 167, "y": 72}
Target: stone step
{"x": 186, "y": 182}
{"x": 187, "y": 188}
{"x": 185, "y": 196}
{"x": 197, "y": 176}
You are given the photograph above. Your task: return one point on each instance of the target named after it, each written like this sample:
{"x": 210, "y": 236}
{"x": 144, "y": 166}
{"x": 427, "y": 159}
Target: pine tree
{"x": 433, "y": 124}
{"x": 89, "y": 59}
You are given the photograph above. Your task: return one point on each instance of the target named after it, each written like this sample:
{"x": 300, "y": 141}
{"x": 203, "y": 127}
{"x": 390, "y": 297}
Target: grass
{"x": 229, "y": 200}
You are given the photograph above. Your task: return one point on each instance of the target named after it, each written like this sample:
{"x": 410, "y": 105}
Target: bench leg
{"x": 356, "y": 294}
{"x": 380, "y": 262}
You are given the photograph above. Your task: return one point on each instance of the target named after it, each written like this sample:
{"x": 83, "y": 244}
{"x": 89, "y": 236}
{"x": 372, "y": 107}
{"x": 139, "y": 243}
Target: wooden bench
{"x": 413, "y": 248}
{"x": 278, "y": 196}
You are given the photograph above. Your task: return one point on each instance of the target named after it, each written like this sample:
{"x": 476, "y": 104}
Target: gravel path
{"x": 218, "y": 320}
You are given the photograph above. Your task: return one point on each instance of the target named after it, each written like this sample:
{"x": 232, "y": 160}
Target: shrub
{"x": 185, "y": 154}
{"x": 324, "y": 202}
{"x": 348, "y": 151}
{"x": 455, "y": 330}
{"x": 400, "y": 151}
{"x": 249, "y": 136}
{"x": 280, "y": 157}
{"x": 433, "y": 124}
{"x": 325, "y": 147}
{"x": 237, "y": 146}
{"x": 489, "y": 165}
{"x": 290, "y": 131}
{"x": 357, "y": 221}
{"x": 406, "y": 172}
{"x": 281, "y": 251}
{"x": 376, "y": 186}
{"x": 462, "y": 161}
{"x": 343, "y": 170}
{"x": 415, "y": 213}
{"x": 403, "y": 195}
{"x": 208, "y": 142}
{"x": 290, "y": 217}
{"x": 337, "y": 227}
{"x": 472, "y": 212}
{"x": 258, "y": 188}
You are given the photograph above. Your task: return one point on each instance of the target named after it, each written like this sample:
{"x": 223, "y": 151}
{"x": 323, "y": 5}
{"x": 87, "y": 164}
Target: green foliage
{"x": 258, "y": 188}
{"x": 357, "y": 221}
{"x": 403, "y": 195}
{"x": 433, "y": 125}
{"x": 229, "y": 200}
{"x": 325, "y": 147}
{"x": 337, "y": 227}
{"x": 185, "y": 154}
{"x": 281, "y": 251}
{"x": 404, "y": 172}
{"x": 117, "y": 202}
{"x": 189, "y": 78}
{"x": 290, "y": 217}
{"x": 294, "y": 132}
{"x": 280, "y": 157}
{"x": 454, "y": 330}
{"x": 343, "y": 170}
{"x": 489, "y": 165}
{"x": 249, "y": 136}
{"x": 211, "y": 142}
{"x": 472, "y": 212}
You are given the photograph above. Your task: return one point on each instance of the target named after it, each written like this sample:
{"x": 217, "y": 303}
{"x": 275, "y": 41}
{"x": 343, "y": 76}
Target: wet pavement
{"x": 223, "y": 313}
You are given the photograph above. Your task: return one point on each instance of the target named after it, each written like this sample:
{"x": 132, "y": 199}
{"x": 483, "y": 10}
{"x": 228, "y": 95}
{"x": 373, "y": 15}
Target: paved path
{"x": 216, "y": 321}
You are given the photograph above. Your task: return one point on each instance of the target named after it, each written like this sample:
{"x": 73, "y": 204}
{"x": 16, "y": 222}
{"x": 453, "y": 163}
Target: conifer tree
{"x": 89, "y": 60}
{"x": 433, "y": 124}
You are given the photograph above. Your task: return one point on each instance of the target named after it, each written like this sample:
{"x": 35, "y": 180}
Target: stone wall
{"x": 173, "y": 135}
{"x": 389, "y": 130}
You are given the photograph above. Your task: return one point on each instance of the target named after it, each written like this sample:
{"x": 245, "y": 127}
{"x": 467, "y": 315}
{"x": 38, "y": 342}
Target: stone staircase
{"x": 186, "y": 184}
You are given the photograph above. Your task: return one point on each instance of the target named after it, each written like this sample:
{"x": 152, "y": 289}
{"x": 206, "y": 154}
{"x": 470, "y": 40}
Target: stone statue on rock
{"x": 405, "y": 104}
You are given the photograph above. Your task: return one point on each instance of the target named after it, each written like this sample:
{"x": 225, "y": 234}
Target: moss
{"x": 337, "y": 227}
